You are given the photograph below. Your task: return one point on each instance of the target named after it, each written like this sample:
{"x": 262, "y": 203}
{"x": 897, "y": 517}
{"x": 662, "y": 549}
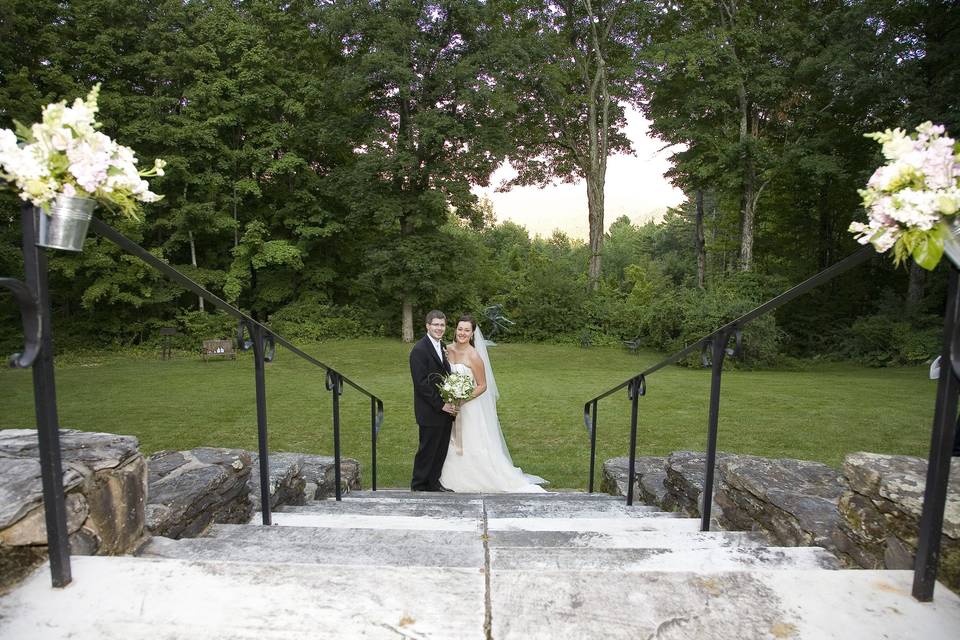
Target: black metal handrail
{"x": 259, "y": 334}
{"x": 714, "y": 348}
{"x": 32, "y": 297}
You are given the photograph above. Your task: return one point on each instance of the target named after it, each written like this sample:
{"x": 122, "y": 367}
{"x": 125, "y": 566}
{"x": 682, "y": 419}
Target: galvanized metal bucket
{"x": 65, "y": 226}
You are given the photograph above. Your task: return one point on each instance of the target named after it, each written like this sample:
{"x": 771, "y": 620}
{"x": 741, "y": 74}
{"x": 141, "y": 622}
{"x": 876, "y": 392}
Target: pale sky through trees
{"x": 635, "y": 187}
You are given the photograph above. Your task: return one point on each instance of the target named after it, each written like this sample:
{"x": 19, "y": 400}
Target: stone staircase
{"x": 394, "y": 564}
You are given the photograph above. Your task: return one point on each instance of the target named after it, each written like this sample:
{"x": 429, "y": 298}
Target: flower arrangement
{"x": 914, "y": 196}
{"x": 64, "y": 154}
{"x": 456, "y": 387}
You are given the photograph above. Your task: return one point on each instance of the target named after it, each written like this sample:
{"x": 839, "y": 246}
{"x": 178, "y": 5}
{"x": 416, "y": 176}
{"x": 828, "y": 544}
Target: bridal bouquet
{"x": 913, "y": 199}
{"x": 456, "y": 387}
{"x": 64, "y": 154}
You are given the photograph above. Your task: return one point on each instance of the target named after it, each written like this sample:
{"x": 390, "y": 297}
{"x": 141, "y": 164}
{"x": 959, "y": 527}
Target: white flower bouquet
{"x": 64, "y": 154}
{"x": 456, "y": 387}
{"x": 912, "y": 199}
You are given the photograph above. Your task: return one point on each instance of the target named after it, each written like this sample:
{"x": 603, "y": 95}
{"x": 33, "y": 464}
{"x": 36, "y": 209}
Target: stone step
{"x": 627, "y": 539}
{"x": 364, "y": 521}
{"x": 651, "y": 521}
{"x": 373, "y": 507}
{"x": 717, "y": 605}
{"x": 464, "y": 507}
{"x": 466, "y": 521}
{"x": 365, "y": 550}
{"x": 371, "y": 547}
{"x": 326, "y": 536}
{"x": 660, "y": 559}
{"x": 532, "y": 508}
{"x": 420, "y": 495}
{"x": 123, "y": 598}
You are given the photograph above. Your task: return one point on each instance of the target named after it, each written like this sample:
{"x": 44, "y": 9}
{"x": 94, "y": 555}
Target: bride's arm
{"x": 479, "y": 375}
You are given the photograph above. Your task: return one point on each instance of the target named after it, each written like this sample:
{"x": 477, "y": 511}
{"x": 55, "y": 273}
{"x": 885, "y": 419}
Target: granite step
{"x": 717, "y": 605}
{"x": 660, "y": 559}
{"x": 123, "y": 598}
{"x": 496, "y": 507}
{"x": 627, "y": 539}
{"x": 420, "y": 495}
{"x": 374, "y": 507}
{"x": 364, "y": 550}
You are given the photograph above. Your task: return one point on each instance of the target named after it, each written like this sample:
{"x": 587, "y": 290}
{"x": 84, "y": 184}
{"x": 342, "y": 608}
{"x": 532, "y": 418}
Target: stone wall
{"x": 881, "y": 509}
{"x": 104, "y": 480}
{"x": 190, "y": 490}
{"x": 115, "y": 498}
{"x": 867, "y": 515}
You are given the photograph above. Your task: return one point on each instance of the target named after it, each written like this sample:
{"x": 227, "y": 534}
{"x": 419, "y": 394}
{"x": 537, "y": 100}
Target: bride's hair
{"x": 473, "y": 324}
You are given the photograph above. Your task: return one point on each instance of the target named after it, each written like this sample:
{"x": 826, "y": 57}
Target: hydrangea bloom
{"x": 65, "y": 154}
{"x": 909, "y": 198}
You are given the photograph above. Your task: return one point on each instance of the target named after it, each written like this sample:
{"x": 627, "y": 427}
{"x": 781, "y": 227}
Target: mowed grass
{"x": 819, "y": 413}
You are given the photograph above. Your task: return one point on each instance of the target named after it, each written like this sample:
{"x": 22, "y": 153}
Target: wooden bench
{"x": 633, "y": 345}
{"x": 222, "y": 348}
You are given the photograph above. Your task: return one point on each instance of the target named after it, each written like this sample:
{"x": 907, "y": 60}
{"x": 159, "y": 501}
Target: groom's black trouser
{"x": 428, "y": 463}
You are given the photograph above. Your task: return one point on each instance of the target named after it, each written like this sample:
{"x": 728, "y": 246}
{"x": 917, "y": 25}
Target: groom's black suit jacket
{"x": 427, "y": 371}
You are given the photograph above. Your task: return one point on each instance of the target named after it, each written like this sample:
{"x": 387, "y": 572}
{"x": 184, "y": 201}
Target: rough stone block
{"x": 649, "y": 488}
{"x": 880, "y": 514}
{"x": 189, "y": 490}
{"x": 793, "y": 500}
{"x": 104, "y": 480}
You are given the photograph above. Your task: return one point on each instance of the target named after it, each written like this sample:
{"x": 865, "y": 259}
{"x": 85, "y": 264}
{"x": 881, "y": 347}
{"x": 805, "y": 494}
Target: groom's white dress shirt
{"x": 436, "y": 346}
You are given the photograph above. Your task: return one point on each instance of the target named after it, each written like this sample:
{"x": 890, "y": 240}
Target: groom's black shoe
{"x": 442, "y": 488}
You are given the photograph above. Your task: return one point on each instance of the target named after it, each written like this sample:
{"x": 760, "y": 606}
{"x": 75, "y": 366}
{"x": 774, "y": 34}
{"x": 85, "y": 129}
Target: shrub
{"x": 311, "y": 319}
{"x": 882, "y": 340}
{"x": 678, "y": 316}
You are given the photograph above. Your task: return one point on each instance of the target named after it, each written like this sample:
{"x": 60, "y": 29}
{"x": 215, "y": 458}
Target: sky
{"x": 635, "y": 187}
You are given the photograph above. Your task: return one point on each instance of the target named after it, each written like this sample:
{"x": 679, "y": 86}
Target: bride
{"x": 477, "y": 459}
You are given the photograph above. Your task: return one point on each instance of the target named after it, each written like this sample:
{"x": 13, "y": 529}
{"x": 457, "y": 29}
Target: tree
{"x": 574, "y": 70}
{"x": 432, "y": 129}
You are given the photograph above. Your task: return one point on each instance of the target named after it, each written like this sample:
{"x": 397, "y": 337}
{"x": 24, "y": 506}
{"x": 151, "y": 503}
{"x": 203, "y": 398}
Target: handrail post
{"x": 335, "y": 385}
{"x": 941, "y": 443}
{"x": 256, "y": 336}
{"x": 45, "y": 406}
{"x": 373, "y": 444}
{"x": 593, "y": 442}
{"x": 718, "y": 352}
{"x": 636, "y": 388}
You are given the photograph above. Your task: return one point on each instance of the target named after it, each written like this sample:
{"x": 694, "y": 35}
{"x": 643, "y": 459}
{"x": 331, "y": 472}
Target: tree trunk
{"x": 193, "y": 260}
{"x": 407, "y": 321}
{"x": 700, "y": 243}
{"x": 749, "y": 183}
{"x": 598, "y": 96}
{"x": 595, "y": 213}
{"x": 825, "y": 235}
{"x": 749, "y": 191}
{"x": 915, "y": 288}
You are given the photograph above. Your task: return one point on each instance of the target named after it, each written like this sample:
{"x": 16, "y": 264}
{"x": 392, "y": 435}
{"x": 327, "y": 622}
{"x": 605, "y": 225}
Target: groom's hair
{"x": 435, "y": 315}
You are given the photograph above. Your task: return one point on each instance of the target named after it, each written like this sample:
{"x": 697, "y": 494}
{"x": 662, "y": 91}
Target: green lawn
{"x": 819, "y": 413}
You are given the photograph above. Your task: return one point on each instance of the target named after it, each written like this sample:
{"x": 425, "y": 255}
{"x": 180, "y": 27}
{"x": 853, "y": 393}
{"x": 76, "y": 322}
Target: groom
{"x": 428, "y": 364}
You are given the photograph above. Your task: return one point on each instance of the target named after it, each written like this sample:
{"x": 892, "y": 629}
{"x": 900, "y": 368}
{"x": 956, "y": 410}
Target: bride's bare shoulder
{"x": 473, "y": 359}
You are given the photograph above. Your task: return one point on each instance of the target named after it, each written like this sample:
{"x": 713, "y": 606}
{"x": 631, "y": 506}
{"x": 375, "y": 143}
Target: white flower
{"x": 64, "y": 153}
{"x": 896, "y": 144}
{"x": 456, "y": 387}
{"x": 907, "y": 197}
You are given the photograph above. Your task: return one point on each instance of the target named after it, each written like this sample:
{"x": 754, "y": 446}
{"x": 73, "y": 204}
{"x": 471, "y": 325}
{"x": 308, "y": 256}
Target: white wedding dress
{"x": 484, "y": 465}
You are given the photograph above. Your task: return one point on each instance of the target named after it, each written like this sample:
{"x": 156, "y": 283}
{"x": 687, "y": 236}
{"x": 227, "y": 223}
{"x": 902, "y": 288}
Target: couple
{"x": 475, "y": 459}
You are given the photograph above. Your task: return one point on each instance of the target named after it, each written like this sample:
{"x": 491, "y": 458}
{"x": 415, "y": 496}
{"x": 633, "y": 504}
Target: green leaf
{"x": 928, "y": 249}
